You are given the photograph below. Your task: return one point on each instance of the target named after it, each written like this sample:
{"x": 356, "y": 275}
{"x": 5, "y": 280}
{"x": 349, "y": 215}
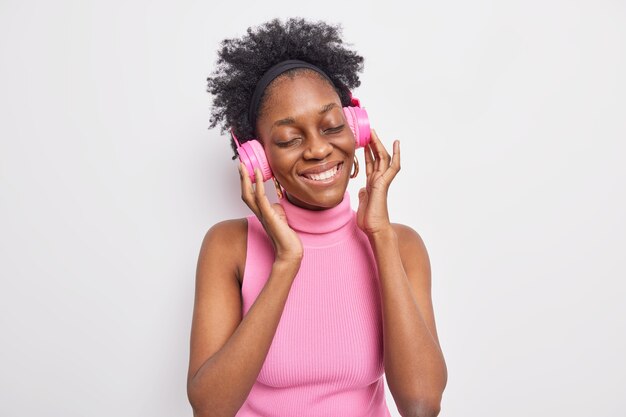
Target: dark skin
{"x": 298, "y": 133}
{"x": 310, "y": 135}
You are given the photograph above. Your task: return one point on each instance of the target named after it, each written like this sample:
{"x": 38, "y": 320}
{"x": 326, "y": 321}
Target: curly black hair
{"x": 243, "y": 61}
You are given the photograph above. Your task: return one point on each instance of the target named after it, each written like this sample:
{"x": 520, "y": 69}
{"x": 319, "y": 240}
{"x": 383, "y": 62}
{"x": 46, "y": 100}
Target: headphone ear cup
{"x": 359, "y": 124}
{"x": 252, "y": 155}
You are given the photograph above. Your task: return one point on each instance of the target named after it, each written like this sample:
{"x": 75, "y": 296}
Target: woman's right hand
{"x": 287, "y": 243}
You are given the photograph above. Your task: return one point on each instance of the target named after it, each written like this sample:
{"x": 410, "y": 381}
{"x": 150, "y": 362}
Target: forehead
{"x": 292, "y": 93}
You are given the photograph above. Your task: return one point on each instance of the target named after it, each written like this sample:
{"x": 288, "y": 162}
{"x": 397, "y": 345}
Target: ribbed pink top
{"x": 326, "y": 356}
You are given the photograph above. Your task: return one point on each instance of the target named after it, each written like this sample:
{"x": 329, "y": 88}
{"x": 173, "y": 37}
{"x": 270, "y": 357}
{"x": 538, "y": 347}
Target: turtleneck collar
{"x": 320, "y": 227}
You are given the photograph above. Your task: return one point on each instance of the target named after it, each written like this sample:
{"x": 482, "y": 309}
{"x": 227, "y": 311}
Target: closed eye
{"x": 335, "y": 129}
{"x": 287, "y": 143}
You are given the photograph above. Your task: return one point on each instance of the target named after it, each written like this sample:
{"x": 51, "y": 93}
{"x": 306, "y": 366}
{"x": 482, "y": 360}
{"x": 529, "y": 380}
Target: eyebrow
{"x": 291, "y": 120}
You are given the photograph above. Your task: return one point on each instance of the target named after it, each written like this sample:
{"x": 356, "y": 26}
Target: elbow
{"x": 422, "y": 409}
{"x": 202, "y": 405}
{"x": 431, "y": 409}
{"x": 199, "y": 411}
{"x": 196, "y": 407}
{"x": 202, "y": 413}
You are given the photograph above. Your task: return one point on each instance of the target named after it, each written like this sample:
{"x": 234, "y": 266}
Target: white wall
{"x": 511, "y": 117}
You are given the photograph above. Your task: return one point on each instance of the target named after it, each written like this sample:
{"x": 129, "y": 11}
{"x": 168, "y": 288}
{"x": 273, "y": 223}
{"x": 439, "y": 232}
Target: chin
{"x": 322, "y": 194}
{"x": 318, "y": 199}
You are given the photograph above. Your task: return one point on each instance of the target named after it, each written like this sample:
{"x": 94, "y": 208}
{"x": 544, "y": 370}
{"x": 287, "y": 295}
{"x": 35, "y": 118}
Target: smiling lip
{"x": 327, "y": 181}
{"x": 321, "y": 168}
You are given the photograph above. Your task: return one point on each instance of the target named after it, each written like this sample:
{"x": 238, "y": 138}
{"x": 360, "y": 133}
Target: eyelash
{"x": 332, "y": 130}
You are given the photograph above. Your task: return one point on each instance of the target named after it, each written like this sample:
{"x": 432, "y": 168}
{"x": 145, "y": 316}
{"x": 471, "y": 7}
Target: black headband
{"x": 269, "y": 76}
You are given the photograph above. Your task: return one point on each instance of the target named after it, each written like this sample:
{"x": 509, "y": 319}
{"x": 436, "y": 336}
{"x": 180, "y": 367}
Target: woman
{"x": 301, "y": 306}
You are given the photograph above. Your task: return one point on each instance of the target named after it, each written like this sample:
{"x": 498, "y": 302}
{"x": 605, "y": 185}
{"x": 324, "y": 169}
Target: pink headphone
{"x": 252, "y": 155}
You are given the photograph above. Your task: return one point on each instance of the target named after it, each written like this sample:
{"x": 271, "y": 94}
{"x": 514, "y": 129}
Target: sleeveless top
{"x": 326, "y": 357}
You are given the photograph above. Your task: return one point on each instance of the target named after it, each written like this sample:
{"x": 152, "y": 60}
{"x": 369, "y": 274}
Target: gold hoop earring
{"x": 356, "y": 167}
{"x": 279, "y": 192}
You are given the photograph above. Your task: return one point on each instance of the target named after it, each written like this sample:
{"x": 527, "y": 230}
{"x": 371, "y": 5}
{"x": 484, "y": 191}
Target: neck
{"x": 320, "y": 227}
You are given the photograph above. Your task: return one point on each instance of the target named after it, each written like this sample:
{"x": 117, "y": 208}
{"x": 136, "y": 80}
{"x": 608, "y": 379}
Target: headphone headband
{"x": 269, "y": 76}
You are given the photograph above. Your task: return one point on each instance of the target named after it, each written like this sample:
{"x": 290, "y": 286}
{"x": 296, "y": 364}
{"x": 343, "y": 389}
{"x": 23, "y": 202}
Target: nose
{"x": 318, "y": 147}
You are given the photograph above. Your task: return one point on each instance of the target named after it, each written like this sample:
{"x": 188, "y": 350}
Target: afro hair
{"x": 242, "y": 62}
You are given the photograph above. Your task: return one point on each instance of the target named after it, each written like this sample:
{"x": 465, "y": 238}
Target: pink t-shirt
{"x": 326, "y": 358}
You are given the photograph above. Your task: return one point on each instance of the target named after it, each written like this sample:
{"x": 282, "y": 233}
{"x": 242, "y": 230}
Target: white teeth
{"x": 323, "y": 175}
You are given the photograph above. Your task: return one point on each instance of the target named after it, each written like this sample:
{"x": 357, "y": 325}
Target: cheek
{"x": 349, "y": 142}
{"x": 281, "y": 163}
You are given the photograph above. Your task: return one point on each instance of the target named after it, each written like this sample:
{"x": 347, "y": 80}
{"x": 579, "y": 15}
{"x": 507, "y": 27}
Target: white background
{"x": 511, "y": 117}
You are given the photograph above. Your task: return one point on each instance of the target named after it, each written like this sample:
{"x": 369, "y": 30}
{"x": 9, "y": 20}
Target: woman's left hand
{"x": 381, "y": 169}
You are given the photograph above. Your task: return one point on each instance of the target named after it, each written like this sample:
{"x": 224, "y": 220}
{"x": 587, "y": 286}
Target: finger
{"x": 261, "y": 199}
{"x": 370, "y": 168}
{"x": 369, "y": 160}
{"x": 390, "y": 174}
{"x": 247, "y": 193}
{"x": 372, "y": 148}
{"x": 381, "y": 153}
{"x": 375, "y": 144}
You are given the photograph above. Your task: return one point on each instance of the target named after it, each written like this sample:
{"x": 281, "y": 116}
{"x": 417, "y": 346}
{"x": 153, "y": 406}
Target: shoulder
{"x": 416, "y": 264}
{"x": 227, "y": 240}
{"x": 407, "y": 235}
{"x": 411, "y": 245}
{"x": 228, "y": 231}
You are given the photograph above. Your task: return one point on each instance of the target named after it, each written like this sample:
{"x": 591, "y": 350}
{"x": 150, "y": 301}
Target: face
{"x": 303, "y": 131}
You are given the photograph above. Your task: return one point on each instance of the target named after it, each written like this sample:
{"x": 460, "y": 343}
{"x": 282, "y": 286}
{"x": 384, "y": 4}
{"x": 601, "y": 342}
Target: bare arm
{"x": 414, "y": 364}
{"x": 227, "y": 353}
